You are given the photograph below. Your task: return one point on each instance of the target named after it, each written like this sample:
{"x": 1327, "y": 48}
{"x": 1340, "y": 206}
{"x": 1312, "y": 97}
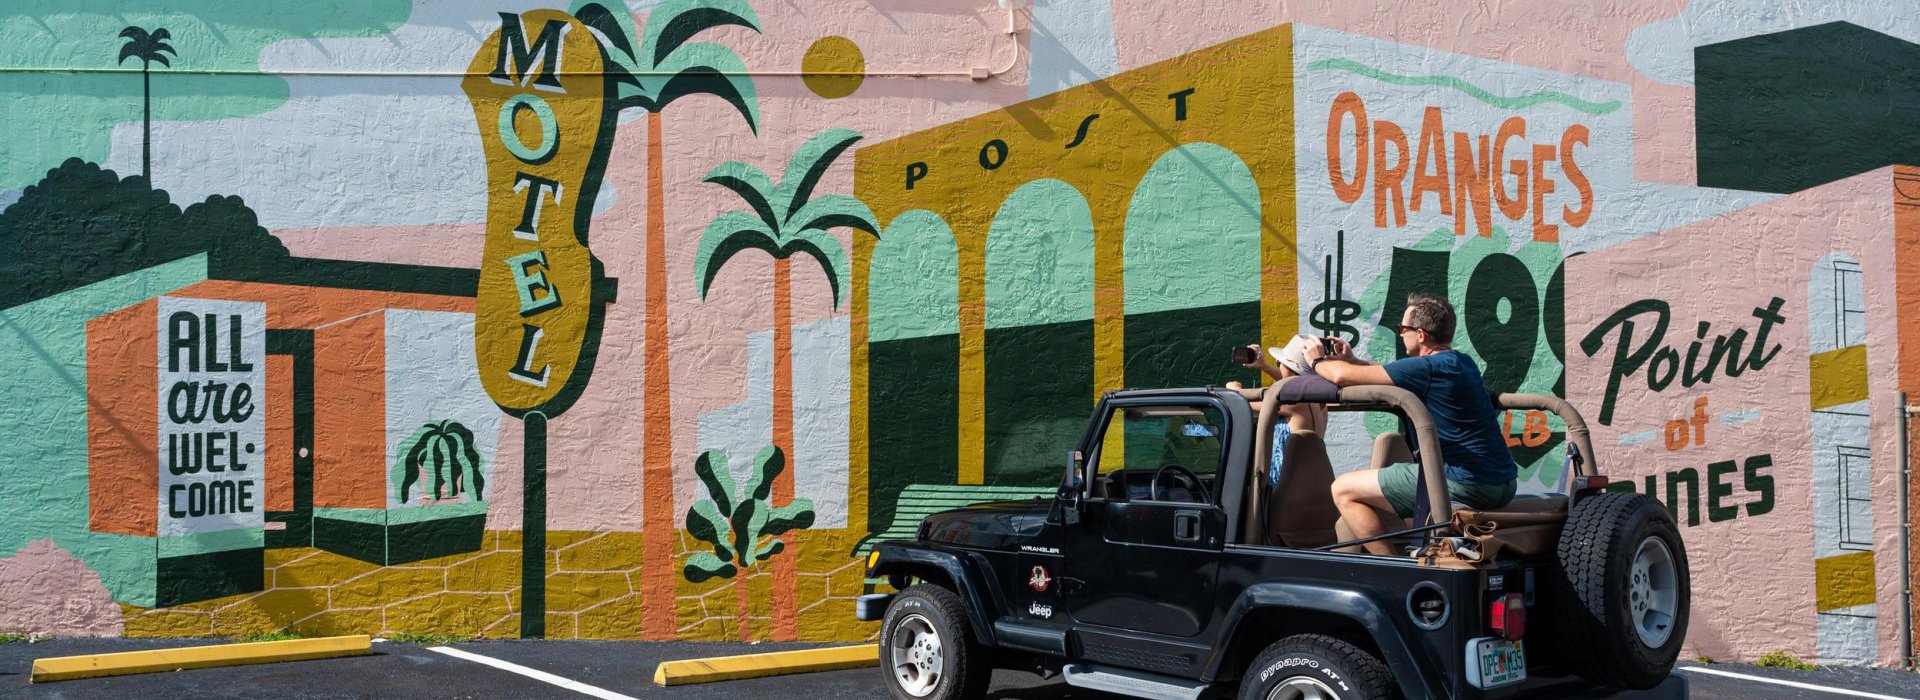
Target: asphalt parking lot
{"x": 613, "y": 670}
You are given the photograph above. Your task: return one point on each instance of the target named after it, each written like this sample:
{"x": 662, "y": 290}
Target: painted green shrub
{"x": 443, "y": 447}
{"x": 90, "y": 225}
{"x": 741, "y": 523}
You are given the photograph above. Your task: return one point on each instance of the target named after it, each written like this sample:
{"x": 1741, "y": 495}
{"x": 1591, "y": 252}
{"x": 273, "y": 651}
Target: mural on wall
{"x": 664, "y": 67}
{"x": 786, "y": 218}
{"x": 333, "y": 377}
{"x": 1428, "y": 171}
{"x": 1141, "y": 197}
{"x": 741, "y": 524}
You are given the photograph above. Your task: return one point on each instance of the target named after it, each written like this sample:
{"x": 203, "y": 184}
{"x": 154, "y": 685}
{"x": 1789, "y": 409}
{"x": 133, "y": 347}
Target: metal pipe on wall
{"x": 1906, "y": 536}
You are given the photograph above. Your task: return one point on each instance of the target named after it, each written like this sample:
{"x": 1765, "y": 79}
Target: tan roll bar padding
{"x": 1266, "y": 412}
{"x": 1440, "y": 506}
{"x": 1576, "y": 426}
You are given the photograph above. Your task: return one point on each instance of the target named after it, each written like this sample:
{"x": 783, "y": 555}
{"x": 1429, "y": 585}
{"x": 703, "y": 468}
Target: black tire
{"x": 1601, "y": 605}
{"x": 927, "y": 647}
{"x": 1330, "y": 665}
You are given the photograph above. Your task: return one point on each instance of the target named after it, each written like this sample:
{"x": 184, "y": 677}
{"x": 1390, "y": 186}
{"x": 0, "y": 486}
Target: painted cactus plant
{"x": 443, "y": 447}
{"x": 741, "y": 524}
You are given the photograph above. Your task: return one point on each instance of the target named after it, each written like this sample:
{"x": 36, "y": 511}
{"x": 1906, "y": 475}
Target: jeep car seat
{"x": 1300, "y": 510}
{"x": 1389, "y": 448}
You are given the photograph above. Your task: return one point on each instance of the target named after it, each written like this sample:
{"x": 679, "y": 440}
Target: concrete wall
{"x": 919, "y": 264}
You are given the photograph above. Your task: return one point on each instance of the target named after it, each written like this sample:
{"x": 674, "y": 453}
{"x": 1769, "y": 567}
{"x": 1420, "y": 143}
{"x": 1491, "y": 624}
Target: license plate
{"x": 1494, "y": 662}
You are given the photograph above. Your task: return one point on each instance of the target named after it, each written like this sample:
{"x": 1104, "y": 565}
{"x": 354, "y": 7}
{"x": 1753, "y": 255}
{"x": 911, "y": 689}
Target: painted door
{"x": 290, "y": 413}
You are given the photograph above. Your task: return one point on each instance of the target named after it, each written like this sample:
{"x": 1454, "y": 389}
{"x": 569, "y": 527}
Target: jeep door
{"x": 1143, "y": 555}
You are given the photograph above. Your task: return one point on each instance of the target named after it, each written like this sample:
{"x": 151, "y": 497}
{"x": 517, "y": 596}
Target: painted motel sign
{"x": 538, "y": 94}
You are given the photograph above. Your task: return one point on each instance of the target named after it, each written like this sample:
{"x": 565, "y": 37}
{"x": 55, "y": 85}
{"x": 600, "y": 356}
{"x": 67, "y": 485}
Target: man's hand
{"x": 1342, "y": 368}
{"x": 1342, "y": 349}
{"x": 1315, "y": 351}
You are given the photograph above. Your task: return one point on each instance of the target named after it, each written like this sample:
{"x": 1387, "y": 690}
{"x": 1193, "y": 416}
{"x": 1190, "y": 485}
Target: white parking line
{"x": 1791, "y": 684}
{"x": 538, "y": 675}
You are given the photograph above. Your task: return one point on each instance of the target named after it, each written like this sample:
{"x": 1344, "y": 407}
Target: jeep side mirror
{"x": 1074, "y": 480}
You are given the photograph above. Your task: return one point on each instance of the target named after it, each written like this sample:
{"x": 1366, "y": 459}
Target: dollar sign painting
{"x": 1330, "y": 317}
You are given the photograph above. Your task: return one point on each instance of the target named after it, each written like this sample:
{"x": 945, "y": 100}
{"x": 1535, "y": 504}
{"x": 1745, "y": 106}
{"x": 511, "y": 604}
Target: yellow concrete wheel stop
{"x": 66, "y": 668}
{"x": 779, "y": 663}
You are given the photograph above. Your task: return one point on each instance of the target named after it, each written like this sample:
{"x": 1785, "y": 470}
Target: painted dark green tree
{"x": 741, "y": 524}
{"x": 785, "y": 219}
{"x": 652, "y": 69}
{"x": 84, "y": 224}
{"x": 443, "y": 447}
{"x": 150, "y": 48}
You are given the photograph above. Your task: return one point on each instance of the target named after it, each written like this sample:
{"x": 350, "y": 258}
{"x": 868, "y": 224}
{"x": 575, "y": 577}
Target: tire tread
{"x": 964, "y": 653}
{"x": 1586, "y": 546}
{"x": 1369, "y": 674}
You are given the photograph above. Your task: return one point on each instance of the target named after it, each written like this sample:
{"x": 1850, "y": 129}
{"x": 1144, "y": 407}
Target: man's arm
{"x": 1347, "y": 373}
{"x": 1344, "y": 369}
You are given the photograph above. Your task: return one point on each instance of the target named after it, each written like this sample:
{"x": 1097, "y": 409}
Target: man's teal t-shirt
{"x": 1471, "y": 442}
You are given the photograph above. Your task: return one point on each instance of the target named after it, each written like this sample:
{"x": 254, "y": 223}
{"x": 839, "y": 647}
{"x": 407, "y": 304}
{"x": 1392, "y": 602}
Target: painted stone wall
{"x": 644, "y": 319}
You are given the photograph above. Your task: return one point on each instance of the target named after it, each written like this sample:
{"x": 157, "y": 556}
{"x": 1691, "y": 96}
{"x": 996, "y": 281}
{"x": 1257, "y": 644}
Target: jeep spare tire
{"x": 927, "y": 649}
{"x": 1622, "y": 591}
{"x": 1316, "y": 666}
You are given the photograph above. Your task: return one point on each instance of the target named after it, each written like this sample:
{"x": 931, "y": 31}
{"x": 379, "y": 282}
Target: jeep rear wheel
{"x": 1316, "y": 667}
{"x": 927, "y": 649}
{"x": 1622, "y": 590}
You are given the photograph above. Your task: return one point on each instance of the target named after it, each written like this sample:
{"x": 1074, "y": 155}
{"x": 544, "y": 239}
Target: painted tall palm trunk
{"x": 146, "y": 124}
{"x": 785, "y": 219}
{"x": 652, "y": 68}
{"x": 150, "y": 48}
{"x": 657, "y": 538}
{"x": 786, "y": 579}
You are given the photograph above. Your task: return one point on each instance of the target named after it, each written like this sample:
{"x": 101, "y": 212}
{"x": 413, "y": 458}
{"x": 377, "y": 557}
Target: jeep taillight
{"x": 1508, "y": 616}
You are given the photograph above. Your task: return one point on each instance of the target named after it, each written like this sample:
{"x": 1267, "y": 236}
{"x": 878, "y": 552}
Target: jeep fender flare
{"x": 966, "y": 572}
{"x": 1352, "y": 605}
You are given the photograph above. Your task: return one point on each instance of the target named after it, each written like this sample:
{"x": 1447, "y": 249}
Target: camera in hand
{"x": 1327, "y": 345}
{"x": 1243, "y": 355}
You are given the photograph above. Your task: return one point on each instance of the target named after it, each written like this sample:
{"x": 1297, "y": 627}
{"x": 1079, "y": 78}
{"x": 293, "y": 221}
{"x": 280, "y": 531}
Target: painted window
{"x": 914, "y": 286}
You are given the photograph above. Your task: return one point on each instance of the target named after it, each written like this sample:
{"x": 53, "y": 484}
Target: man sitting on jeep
{"x": 1480, "y": 471}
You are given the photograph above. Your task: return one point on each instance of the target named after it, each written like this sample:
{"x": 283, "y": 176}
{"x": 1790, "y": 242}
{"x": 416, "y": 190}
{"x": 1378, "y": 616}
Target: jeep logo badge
{"x": 1040, "y": 580}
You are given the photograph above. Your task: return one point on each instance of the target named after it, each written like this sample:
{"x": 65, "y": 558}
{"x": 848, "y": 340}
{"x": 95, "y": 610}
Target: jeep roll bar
{"x": 1313, "y": 389}
{"x": 1576, "y": 426}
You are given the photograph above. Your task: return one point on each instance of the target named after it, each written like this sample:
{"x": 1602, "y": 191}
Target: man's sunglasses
{"x": 1404, "y": 329}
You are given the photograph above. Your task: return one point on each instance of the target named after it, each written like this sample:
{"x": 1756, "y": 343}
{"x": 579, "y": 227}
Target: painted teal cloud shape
{"x": 59, "y": 103}
{"x": 1471, "y": 90}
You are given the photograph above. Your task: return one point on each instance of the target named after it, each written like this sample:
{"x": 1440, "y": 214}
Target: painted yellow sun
{"x": 828, "y": 64}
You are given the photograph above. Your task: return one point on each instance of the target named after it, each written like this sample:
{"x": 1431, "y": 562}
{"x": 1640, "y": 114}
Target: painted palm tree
{"x": 785, "y": 219}
{"x": 150, "y": 48}
{"x": 661, "y": 69}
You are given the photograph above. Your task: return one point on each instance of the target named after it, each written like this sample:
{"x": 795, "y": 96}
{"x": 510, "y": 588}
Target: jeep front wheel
{"x": 927, "y": 649}
{"x": 1316, "y": 667}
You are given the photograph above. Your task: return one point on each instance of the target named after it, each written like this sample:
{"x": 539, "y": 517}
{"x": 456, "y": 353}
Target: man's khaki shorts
{"x": 1397, "y": 483}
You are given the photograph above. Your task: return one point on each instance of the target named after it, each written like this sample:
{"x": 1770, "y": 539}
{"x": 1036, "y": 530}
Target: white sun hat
{"x": 1293, "y": 355}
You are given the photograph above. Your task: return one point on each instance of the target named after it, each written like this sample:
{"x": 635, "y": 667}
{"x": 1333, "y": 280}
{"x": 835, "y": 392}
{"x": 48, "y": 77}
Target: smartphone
{"x": 1243, "y": 355}
{"x": 1327, "y": 346}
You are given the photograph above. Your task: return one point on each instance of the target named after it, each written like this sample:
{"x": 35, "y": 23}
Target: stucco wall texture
{"x": 300, "y": 308}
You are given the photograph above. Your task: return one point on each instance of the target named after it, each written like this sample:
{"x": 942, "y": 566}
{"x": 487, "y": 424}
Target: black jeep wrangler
{"x": 1174, "y": 562}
